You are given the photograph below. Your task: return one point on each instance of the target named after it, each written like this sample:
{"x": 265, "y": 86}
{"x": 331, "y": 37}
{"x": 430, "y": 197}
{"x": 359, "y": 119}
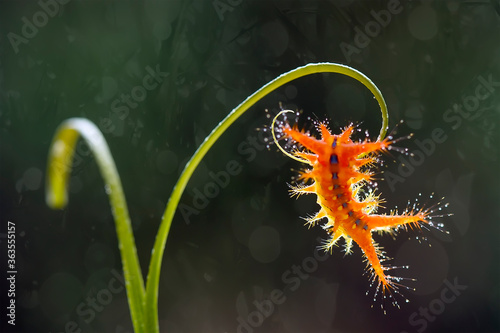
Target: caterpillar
{"x": 340, "y": 172}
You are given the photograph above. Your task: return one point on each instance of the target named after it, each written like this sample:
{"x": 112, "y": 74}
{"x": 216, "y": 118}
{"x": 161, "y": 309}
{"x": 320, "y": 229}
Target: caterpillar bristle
{"x": 341, "y": 175}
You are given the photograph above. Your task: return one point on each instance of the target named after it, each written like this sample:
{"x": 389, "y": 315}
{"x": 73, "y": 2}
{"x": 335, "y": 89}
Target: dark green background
{"x": 426, "y": 60}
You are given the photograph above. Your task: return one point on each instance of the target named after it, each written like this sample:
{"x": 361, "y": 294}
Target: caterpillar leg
{"x": 373, "y": 255}
{"x": 394, "y": 221}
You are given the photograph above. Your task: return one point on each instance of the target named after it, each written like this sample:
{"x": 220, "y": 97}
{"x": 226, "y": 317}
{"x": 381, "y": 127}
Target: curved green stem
{"x": 151, "y": 301}
{"x": 144, "y": 302}
{"x": 59, "y": 166}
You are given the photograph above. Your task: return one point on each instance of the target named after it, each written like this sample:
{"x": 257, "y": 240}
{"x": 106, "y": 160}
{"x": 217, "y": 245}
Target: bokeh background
{"x": 437, "y": 64}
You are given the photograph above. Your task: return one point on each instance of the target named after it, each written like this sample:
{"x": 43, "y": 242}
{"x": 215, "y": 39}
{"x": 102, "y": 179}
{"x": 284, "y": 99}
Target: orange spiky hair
{"x": 339, "y": 171}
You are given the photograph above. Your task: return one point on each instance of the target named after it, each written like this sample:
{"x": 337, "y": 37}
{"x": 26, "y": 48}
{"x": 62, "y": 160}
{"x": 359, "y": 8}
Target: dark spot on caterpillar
{"x": 334, "y": 159}
{"x": 335, "y": 176}
{"x": 334, "y": 144}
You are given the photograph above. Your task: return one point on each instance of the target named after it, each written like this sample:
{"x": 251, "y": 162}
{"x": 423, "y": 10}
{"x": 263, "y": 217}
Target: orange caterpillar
{"x": 338, "y": 174}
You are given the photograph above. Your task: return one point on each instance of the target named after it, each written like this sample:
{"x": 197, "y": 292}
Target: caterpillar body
{"x": 338, "y": 174}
